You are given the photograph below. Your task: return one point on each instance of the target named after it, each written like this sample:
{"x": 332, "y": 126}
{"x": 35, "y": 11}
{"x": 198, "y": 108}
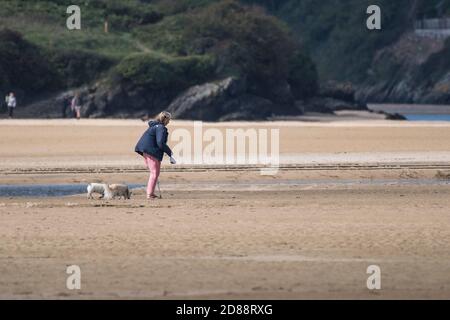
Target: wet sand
{"x": 311, "y": 231}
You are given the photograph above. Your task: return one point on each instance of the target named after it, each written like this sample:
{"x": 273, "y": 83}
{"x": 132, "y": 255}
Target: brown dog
{"x": 119, "y": 190}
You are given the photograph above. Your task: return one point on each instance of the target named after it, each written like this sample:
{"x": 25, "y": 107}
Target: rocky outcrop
{"x": 123, "y": 100}
{"x": 328, "y": 105}
{"x": 101, "y": 101}
{"x": 221, "y": 101}
{"x": 229, "y": 99}
{"x": 333, "y": 96}
{"x": 45, "y": 106}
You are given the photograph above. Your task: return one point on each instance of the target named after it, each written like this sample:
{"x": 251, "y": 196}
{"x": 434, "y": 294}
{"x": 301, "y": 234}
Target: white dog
{"x": 99, "y": 188}
{"x": 118, "y": 190}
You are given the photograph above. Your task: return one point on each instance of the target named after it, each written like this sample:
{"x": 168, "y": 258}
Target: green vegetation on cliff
{"x": 157, "y": 44}
{"x": 157, "y": 71}
{"x": 244, "y": 41}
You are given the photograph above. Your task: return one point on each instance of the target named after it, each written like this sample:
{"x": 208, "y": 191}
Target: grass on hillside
{"x": 158, "y": 44}
{"x": 44, "y": 24}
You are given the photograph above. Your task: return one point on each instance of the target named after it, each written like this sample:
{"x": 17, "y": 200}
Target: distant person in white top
{"x": 11, "y": 103}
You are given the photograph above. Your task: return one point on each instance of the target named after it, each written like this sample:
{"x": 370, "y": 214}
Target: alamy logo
{"x": 374, "y": 280}
{"x": 73, "y": 281}
{"x": 73, "y": 22}
{"x": 374, "y": 21}
{"x": 228, "y": 146}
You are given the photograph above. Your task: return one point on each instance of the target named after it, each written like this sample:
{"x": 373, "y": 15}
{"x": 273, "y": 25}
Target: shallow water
{"x": 60, "y": 190}
{"x": 427, "y": 117}
{"x": 46, "y": 190}
{"x": 416, "y": 112}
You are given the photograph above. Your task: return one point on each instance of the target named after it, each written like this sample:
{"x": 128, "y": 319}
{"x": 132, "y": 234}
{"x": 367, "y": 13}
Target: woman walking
{"x": 152, "y": 146}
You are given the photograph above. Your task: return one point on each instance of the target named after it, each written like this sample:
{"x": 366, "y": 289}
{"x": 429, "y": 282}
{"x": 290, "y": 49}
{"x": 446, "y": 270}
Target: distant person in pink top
{"x": 76, "y": 106}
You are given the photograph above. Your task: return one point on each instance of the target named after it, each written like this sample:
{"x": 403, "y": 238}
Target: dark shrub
{"x": 156, "y": 71}
{"x": 75, "y": 67}
{"x": 303, "y": 76}
{"x": 22, "y": 65}
{"x": 245, "y": 41}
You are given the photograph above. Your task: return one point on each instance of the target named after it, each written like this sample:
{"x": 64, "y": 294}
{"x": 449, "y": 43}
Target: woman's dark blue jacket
{"x": 154, "y": 141}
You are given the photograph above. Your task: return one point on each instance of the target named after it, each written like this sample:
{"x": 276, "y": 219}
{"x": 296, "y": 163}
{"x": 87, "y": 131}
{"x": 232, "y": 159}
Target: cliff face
{"x": 416, "y": 69}
{"x": 391, "y": 65}
{"x": 335, "y": 32}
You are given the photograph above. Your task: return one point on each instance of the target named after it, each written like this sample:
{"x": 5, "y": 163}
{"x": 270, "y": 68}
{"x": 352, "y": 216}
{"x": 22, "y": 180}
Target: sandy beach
{"x": 348, "y": 195}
